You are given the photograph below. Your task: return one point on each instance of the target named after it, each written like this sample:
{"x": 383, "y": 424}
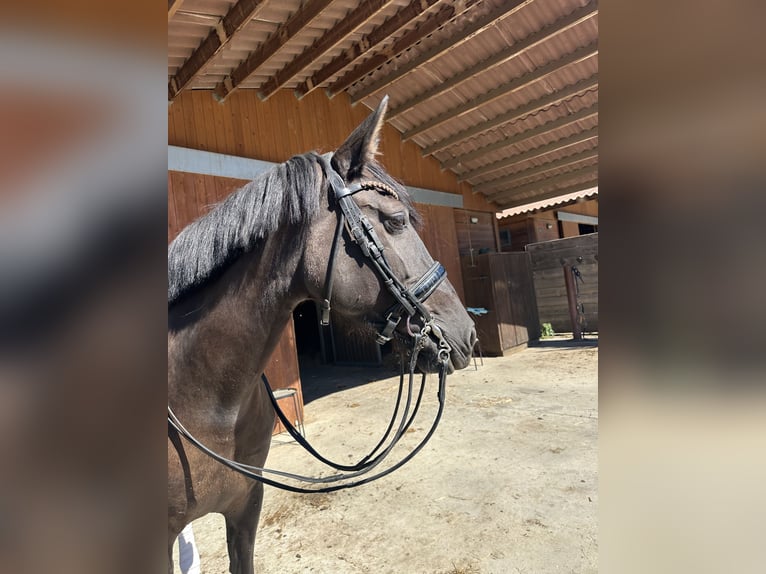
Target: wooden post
{"x": 572, "y": 301}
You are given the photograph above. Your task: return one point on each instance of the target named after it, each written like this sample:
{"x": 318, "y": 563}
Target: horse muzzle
{"x": 459, "y": 354}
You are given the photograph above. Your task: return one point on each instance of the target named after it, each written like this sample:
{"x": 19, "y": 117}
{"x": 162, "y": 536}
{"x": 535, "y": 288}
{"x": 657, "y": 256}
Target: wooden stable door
{"x": 502, "y": 284}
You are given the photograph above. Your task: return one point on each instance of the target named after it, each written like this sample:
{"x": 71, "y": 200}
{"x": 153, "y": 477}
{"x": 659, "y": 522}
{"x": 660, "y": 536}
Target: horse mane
{"x": 285, "y": 194}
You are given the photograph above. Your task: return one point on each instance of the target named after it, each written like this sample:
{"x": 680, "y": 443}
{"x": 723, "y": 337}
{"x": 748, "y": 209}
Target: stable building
{"x": 493, "y": 107}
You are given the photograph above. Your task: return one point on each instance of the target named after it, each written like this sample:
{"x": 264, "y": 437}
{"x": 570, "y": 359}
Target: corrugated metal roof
{"x": 502, "y": 92}
{"x": 548, "y": 203}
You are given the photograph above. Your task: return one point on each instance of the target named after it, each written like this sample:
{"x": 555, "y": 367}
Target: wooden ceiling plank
{"x": 515, "y": 201}
{"x": 239, "y": 15}
{"x": 465, "y": 33}
{"x": 568, "y": 141}
{"x": 534, "y": 39}
{"x": 286, "y": 32}
{"x": 358, "y": 49}
{"x": 548, "y": 127}
{"x": 350, "y": 22}
{"x": 535, "y": 185}
{"x": 515, "y": 114}
{"x": 561, "y": 162}
{"x": 429, "y": 26}
{"x": 504, "y": 89}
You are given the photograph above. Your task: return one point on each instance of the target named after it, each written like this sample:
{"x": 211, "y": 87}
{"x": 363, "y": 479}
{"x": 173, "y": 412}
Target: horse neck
{"x": 224, "y": 350}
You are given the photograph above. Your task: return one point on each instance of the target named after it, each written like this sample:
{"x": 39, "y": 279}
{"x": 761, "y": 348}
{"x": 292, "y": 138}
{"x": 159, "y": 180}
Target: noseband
{"x": 409, "y": 301}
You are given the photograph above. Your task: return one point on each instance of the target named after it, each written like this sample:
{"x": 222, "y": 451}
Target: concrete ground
{"x": 508, "y": 484}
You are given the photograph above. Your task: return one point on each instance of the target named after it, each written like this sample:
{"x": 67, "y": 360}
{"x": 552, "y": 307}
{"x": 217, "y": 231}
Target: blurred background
{"x": 682, "y": 372}
{"x": 82, "y": 282}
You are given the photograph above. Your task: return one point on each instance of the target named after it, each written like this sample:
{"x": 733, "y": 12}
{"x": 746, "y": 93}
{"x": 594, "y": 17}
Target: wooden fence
{"x": 549, "y": 259}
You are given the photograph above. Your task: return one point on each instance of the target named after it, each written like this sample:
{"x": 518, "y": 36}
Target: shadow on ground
{"x": 566, "y": 342}
{"x": 319, "y": 380}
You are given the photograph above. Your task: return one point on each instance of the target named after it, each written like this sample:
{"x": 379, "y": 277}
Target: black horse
{"x": 235, "y": 276}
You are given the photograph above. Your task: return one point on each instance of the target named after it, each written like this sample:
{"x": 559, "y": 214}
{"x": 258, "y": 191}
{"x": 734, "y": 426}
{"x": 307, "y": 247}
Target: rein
{"x": 409, "y": 301}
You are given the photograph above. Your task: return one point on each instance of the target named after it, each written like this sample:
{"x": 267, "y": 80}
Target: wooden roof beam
{"x": 363, "y": 12}
{"x": 515, "y": 201}
{"x": 585, "y": 155}
{"x": 429, "y": 26}
{"x": 378, "y": 35}
{"x": 173, "y": 6}
{"x": 511, "y": 86}
{"x": 535, "y": 185}
{"x": 562, "y": 143}
{"x": 515, "y": 114}
{"x": 513, "y": 51}
{"x": 548, "y": 127}
{"x": 350, "y": 22}
{"x": 239, "y": 15}
{"x": 286, "y": 32}
{"x": 465, "y": 33}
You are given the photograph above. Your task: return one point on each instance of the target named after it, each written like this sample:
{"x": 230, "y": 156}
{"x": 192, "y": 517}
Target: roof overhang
{"x": 502, "y": 92}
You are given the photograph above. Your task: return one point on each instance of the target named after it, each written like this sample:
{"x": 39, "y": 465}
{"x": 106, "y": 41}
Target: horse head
{"x": 377, "y": 271}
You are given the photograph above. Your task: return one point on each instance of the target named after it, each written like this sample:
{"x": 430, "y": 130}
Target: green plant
{"x": 547, "y": 330}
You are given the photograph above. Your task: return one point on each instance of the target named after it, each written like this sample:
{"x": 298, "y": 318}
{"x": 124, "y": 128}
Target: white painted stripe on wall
{"x": 208, "y": 163}
{"x": 432, "y": 197}
{"x": 222, "y": 165}
{"x": 577, "y": 218}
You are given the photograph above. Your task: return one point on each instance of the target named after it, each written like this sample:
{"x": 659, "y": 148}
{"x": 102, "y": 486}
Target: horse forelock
{"x": 286, "y": 194}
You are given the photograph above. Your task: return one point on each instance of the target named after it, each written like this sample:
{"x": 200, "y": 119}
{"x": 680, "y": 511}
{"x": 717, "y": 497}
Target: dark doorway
{"x": 341, "y": 343}
{"x": 309, "y": 341}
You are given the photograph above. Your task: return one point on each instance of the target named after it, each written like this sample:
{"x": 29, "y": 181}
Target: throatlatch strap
{"x": 330, "y": 279}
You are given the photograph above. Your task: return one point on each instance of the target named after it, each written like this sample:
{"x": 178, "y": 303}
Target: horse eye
{"x": 396, "y": 223}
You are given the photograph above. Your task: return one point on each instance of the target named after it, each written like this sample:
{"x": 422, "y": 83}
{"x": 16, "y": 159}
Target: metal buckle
{"x": 387, "y": 333}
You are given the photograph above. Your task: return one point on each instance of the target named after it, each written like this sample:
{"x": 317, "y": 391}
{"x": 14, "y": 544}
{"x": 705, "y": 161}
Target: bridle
{"x": 409, "y": 301}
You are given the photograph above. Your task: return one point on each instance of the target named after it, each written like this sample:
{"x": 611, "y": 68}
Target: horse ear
{"x": 362, "y": 145}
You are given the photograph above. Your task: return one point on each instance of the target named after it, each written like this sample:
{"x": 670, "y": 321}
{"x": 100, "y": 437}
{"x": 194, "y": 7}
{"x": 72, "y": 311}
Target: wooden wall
{"x": 473, "y": 238}
{"x": 519, "y": 235}
{"x": 572, "y": 228}
{"x": 191, "y": 195}
{"x": 542, "y": 229}
{"x": 440, "y": 237}
{"x": 550, "y": 289}
{"x": 283, "y": 126}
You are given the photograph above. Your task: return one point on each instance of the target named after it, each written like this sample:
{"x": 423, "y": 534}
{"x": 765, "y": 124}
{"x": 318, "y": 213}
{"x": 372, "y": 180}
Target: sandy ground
{"x": 508, "y": 484}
